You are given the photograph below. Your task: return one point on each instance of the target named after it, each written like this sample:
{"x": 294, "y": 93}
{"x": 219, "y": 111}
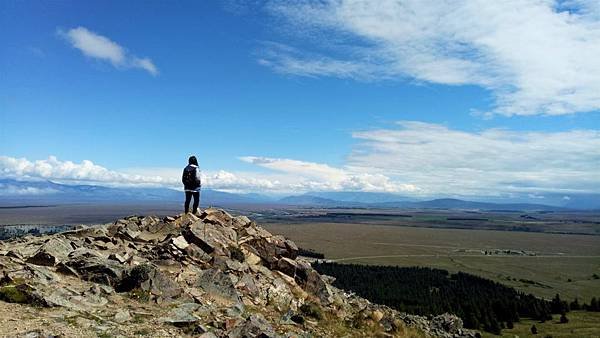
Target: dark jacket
{"x": 191, "y": 178}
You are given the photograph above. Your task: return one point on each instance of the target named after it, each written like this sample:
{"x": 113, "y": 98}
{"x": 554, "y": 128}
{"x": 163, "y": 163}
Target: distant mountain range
{"x": 18, "y": 192}
{"x": 443, "y": 203}
{"x": 383, "y": 200}
{"x": 14, "y": 192}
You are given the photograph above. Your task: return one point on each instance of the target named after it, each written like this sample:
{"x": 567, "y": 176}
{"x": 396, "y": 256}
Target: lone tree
{"x": 533, "y": 329}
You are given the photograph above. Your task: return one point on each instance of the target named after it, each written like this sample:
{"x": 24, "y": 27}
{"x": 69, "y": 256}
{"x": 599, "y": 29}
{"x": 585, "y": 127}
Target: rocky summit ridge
{"x": 209, "y": 276}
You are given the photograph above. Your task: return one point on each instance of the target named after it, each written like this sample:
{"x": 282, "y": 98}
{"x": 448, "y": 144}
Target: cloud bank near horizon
{"x": 99, "y": 47}
{"x": 440, "y": 160}
{"x": 410, "y": 158}
{"x": 534, "y": 56}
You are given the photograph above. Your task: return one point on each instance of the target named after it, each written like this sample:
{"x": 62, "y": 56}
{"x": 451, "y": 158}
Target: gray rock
{"x": 66, "y": 270}
{"x": 196, "y": 253}
{"x": 197, "y": 234}
{"x": 130, "y": 234}
{"x": 122, "y": 316}
{"x": 271, "y": 249}
{"x": 216, "y": 216}
{"x": 180, "y": 242}
{"x": 241, "y": 222}
{"x": 292, "y": 249}
{"x": 247, "y": 286}
{"x": 38, "y": 334}
{"x": 162, "y": 285}
{"x": 310, "y": 280}
{"x": 280, "y": 295}
{"x": 182, "y": 315}
{"x": 119, "y": 258}
{"x": 219, "y": 285}
{"x": 287, "y": 266}
{"x": 93, "y": 267}
{"x": 447, "y": 322}
{"x": 42, "y": 274}
{"x": 255, "y": 326}
{"x": 52, "y": 252}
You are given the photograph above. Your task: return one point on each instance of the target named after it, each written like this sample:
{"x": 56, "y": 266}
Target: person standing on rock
{"x": 191, "y": 184}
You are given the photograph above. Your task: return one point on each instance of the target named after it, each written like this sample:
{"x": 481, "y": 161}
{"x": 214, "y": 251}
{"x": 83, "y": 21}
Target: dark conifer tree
{"x": 480, "y": 302}
{"x": 575, "y": 305}
{"x": 594, "y": 305}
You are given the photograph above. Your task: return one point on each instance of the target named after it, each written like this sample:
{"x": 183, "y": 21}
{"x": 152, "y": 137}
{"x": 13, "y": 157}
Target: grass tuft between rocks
{"x": 11, "y": 294}
{"x": 312, "y": 310}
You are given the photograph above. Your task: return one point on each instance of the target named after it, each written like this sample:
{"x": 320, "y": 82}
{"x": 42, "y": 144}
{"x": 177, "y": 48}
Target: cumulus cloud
{"x": 535, "y": 56}
{"x": 100, "y": 47}
{"x": 441, "y": 160}
{"x": 310, "y": 176}
{"x": 411, "y": 158}
{"x": 86, "y": 171}
{"x": 289, "y": 176}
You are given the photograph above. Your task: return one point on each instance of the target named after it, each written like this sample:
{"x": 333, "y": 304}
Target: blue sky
{"x": 299, "y": 96}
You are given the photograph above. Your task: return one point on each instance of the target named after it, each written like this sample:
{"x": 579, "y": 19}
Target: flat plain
{"x": 581, "y": 324}
{"x": 540, "y": 263}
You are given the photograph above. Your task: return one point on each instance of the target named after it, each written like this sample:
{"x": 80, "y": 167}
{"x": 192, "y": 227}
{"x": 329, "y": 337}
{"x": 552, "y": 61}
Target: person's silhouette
{"x": 191, "y": 184}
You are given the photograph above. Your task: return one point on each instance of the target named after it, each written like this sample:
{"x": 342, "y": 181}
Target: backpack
{"x": 189, "y": 178}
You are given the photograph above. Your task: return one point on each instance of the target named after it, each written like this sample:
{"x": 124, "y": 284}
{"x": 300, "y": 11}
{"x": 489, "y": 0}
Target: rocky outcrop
{"x": 213, "y": 276}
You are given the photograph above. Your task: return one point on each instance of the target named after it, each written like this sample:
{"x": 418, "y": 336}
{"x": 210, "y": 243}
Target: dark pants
{"x": 188, "y": 198}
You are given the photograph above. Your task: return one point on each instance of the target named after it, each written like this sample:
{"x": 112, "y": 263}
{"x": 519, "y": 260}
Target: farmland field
{"x": 581, "y": 324}
{"x": 539, "y": 263}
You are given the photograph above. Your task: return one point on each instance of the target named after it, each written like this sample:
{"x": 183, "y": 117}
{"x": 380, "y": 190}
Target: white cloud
{"x": 287, "y": 60}
{"x": 86, "y": 171}
{"x": 440, "y": 160}
{"x": 310, "y": 176}
{"x": 535, "y": 56}
{"x": 412, "y": 158}
{"x": 146, "y": 64}
{"x": 11, "y": 190}
{"x": 100, "y": 47}
{"x": 290, "y": 176}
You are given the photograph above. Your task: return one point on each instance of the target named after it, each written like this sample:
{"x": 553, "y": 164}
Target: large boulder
{"x": 217, "y": 216}
{"x": 92, "y": 266}
{"x": 312, "y": 282}
{"x": 162, "y": 286}
{"x": 53, "y": 251}
{"x": 149, "y": 278}
{"x": 219, "y": 286}
{"x": 271, "y": 249}
{"x": 280, "y": 295}
{"x": 211, "y": 238}
{"x": 241, "y": 222}
{"x": 287, "y": 266}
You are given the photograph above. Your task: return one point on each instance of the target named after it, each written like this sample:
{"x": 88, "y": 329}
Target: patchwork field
{"x": 539, "y": 263}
